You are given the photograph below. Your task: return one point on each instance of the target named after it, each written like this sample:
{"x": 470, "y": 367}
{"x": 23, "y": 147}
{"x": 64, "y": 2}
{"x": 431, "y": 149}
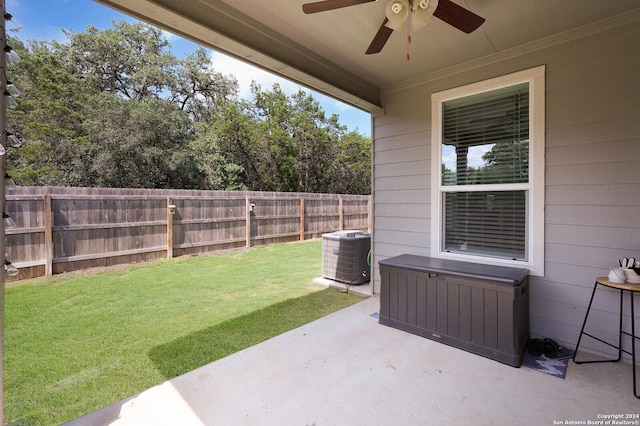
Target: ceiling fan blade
{"x": 322, "y": 6}
{"x": 457, "y": 16}
{"x": 380, "y": 39}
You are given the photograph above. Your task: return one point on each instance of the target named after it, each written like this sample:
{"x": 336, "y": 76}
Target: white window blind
{"x": 485, "y": 161}
{"x": 489, "y": 223}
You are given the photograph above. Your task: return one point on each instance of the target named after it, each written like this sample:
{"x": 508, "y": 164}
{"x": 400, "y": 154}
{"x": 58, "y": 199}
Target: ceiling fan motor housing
{"x": 401, "y": 13}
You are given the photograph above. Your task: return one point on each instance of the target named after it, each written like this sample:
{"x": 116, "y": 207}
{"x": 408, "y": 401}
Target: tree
{"x": 353, "y": 165}
{"x": 129, "y": 60}
{"x": 235, "y": 133}
{"x": 199, "y": 90}
{"x": 287, "y": 143}
{"x": 49, "y": 117}
{"x": 115, "y": 108}
{"x": 217, "y": 171}
{"x": 139, "y": 144}
{"x": 84, "y": 105}
{"x": 274, "y": 147}
{"x": 317, "y": 139}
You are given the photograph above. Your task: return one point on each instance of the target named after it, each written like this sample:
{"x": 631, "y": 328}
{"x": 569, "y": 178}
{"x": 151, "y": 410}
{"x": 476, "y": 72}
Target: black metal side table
{"x": 631, "y": 289}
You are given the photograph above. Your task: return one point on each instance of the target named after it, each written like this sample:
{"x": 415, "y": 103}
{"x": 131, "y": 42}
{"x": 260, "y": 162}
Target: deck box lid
{"x": 501, "y": 274}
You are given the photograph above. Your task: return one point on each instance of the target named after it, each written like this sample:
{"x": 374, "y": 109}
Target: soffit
{"x": 325, "y": 51}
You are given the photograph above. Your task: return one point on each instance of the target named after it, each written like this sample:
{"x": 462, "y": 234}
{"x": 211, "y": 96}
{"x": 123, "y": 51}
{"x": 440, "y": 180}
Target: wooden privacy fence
{"x": 62, "y": 229}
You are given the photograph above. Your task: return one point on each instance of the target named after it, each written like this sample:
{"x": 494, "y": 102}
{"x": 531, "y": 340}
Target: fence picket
{"x": 63, "y": 229}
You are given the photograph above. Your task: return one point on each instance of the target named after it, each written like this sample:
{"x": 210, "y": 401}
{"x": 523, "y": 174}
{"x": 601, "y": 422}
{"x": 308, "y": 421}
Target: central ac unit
{"x": 345, "y": 256}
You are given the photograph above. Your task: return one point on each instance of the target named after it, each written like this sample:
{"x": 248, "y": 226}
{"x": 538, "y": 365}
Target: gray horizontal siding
{"x": 610, "y": 171}
{"x": 402, "y": 172}
{"x": 409, "y": 168}
{"x": 591, "y": 154}
{"x": 407, "y": 224}
{"x": 616, "y": 129}
{"x": 581, "y": 194}
{"x": 592, "y": 194}
{"x": 614, "y": 238}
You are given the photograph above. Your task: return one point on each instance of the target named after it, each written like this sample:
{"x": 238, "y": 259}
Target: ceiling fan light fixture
{"x": 423, "y": 13}
{"x": 406, "y": 16}
{"x": 416, "y": 13}
{"x": 397, "y": 12}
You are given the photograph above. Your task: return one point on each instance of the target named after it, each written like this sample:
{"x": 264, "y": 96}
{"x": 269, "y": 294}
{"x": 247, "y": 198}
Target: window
{"x": 488, "y": 172}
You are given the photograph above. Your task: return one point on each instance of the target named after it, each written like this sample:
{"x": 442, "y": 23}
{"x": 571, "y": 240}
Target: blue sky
{"x": 43, "y": 20}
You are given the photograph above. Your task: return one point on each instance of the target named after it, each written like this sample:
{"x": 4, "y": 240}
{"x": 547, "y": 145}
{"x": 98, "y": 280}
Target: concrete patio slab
{"x": 346, "y": 369}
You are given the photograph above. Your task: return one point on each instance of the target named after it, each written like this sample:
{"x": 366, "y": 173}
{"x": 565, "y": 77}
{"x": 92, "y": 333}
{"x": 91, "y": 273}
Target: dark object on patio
{"x": 550, "y": 348}
{"x": 535, "y": 347}
{"x": 479, "y": 308}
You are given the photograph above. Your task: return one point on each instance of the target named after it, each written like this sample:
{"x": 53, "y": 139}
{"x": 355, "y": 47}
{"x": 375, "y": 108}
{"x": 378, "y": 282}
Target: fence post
{"x": 170, "y": 212}
{"x": 247, "y": 231}
{"x": 340, "y": 215}
{"x": 301, "y": 219}
{"x": 48, "y": 236}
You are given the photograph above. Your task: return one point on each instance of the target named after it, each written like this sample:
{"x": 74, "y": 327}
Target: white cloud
{"x": 169, "y": 36}
{"x": 341, "y": 106}
{"x": 476, "y": 153}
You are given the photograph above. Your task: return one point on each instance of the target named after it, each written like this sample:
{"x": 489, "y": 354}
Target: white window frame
{"x": 534, "y": 188}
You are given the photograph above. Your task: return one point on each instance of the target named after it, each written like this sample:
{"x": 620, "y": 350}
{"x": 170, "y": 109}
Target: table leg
{"x": 620, "y": 333}
{"x": 633, "y": 344}
{"x": 582, "y": 332}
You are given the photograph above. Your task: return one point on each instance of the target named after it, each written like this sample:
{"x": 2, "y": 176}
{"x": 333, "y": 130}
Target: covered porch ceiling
{"x": 326, "y": 51}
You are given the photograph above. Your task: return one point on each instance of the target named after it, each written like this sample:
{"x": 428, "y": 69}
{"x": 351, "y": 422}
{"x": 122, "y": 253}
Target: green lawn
{"x": 79, "y": 342}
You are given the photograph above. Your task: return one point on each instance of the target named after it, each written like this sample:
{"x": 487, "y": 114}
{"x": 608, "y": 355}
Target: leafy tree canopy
{"x": 115, "y": 108}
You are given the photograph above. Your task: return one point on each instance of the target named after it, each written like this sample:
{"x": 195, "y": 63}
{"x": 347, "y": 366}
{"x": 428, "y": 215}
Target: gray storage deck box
{"x": 479, "y": 308}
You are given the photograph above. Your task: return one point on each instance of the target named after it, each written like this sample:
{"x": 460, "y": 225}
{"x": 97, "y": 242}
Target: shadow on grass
{"x": 204, "y": 346}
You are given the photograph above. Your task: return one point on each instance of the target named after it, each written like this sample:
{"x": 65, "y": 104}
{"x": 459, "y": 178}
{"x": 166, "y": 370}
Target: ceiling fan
{"x": 406, "y": 15}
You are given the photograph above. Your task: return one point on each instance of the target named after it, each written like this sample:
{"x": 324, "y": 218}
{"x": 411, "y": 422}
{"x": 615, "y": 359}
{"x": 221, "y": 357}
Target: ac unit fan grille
{"x": 345, "y": 256}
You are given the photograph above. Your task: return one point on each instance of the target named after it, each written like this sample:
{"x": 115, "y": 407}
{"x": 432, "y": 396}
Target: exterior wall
{"x": 592, "y": 170}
